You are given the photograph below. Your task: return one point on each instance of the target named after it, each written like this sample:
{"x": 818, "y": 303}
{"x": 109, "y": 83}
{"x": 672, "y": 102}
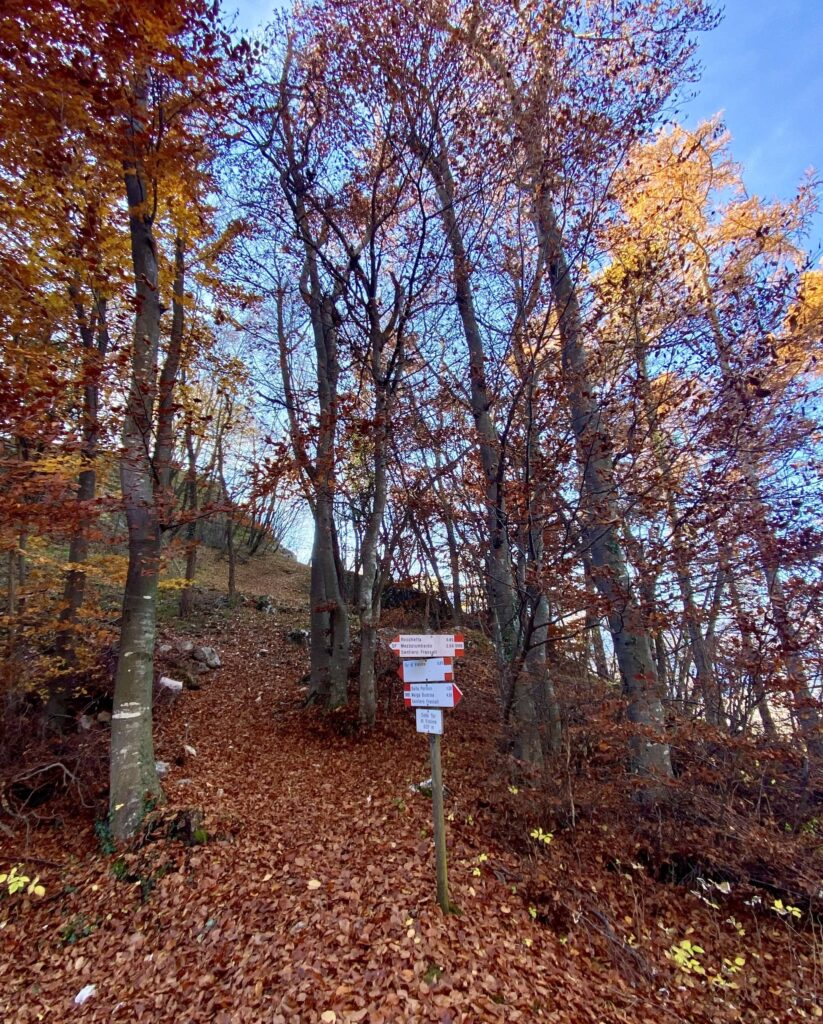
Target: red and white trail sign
{"x": 428, "y": 645}
{"x": 432, "y": 695}
{"x": 427, "y": 670}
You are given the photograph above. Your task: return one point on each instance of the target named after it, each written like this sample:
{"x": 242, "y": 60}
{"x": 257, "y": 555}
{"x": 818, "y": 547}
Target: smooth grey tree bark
{"x": 94, "y": 339}
{"x": 630, "y": 635}
{"x": 385, "y": 380}
{"x": 703, "y": 661}
{"x": 762, "y": 533}
{"x": 329, "y": 643}
{"x": 594, "y": 638}
{"x": 133, "y": 777}
{"x": 187, "y": 593}
{"x": 145, "y": 478}
{"x": 518, "y": 687}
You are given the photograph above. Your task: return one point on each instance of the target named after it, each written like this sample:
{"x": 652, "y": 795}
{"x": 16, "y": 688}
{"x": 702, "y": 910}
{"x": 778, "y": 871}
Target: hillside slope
{"x": 305, "y": 892}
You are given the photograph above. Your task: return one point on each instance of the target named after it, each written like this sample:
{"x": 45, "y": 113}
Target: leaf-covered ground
{"x": 312, "y": 896}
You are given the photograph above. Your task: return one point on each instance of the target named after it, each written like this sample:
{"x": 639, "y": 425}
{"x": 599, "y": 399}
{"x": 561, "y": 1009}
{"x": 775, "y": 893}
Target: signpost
{"x": 427, "y": 672}
{"x": 440, "y": 864}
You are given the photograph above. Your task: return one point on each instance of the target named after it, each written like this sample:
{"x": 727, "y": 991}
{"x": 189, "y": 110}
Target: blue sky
{"x": 763, "y": 67}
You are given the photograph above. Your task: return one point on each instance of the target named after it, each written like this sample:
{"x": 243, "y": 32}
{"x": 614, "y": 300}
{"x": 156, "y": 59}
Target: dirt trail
{"x": 314, "y": 894}
{"x": 309, "y": 894}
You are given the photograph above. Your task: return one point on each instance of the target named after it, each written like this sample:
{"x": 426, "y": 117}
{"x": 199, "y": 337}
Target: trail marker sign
{"x": 428, "y": 645}
{"x": 432, "y": 695}
{"x": 430, "y": 721}
{"x": 426, "y": 670}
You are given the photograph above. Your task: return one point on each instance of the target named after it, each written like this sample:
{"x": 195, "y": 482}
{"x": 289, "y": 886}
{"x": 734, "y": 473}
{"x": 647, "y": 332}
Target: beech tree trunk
{"x": 369, "y": 607}
{"x": 761, "y": 531}
{"x": 630, "y": 635}
{"x": 187, "y": 593}
{"x": 329, "y": 644}
{"x": 11, "y": 592}
{"x": 145, "y": 476}
{"x": 594, "y": 638}
{"x": 94, "y": 339}
{"x": 329, "y": 620}
{"x": 227, "y": 501}
{"x": 703, "y": 662}
{"x": 518, "y": 686}
{"x": 454, "y": 564}
{"x": 133, "y": 777}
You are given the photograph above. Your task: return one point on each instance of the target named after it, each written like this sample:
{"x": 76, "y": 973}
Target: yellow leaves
{"x": 786, "y": 910}
{"x": 674, "y": 176}
{"x": 14, "y": 881}
{"x": 314, "y": 884}
{"x": 685, "y": 956}
{"x": 175, "y": 583}
{"x": 481, "y": 859}
{"x": 68, "y": 465}
{"x": 541, "y": 836}
{"x": 804, "y": 322}
{"x": 107, "y": 568}
{"x": 685, "y": 211}
{"x": 728, "y": 970}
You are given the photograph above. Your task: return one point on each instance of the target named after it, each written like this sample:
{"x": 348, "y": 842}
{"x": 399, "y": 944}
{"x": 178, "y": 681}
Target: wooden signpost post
{"x": 427, "y": 672}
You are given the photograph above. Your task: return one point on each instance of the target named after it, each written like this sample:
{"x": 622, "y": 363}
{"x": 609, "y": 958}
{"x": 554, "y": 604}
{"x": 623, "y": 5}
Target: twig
{"x": 44, "y": 768}
{"x": 23, "y": 858}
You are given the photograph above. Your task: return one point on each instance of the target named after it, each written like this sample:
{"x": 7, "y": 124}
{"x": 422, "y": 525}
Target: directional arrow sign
{"x": 427, "y": 670}
{"x": 432, "y": 695}
{"x": 428, "y": 645}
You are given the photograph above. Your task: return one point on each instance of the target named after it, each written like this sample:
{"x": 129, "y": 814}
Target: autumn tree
{"x": 562, "y": 105}
{"x": 697, "y": 259}
{"x": 344, "y": 203}
{"x": 173, "y": 94}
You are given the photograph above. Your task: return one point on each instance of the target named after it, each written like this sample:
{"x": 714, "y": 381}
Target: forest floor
{"x": 306, "y": 891}
{"x": 274, "y": 574}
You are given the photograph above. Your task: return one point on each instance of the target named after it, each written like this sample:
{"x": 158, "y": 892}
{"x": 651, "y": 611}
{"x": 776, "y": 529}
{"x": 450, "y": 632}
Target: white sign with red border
{"x": 431, "y": 645}
{"x": 432, "y": 695}
{"x": 427, "y": 670}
